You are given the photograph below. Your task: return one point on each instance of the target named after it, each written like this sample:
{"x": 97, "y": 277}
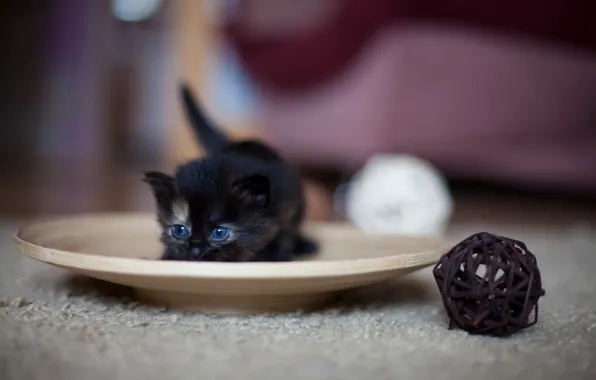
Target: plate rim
{"x": 224, "y": 271}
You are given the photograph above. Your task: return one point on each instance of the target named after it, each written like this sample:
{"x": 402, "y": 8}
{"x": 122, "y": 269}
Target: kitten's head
{"x": 207, "y": 213}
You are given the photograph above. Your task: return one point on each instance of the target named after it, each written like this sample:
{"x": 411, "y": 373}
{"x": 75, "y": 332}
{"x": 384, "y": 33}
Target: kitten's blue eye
{"x": 220, "y": 233}
{"x": 180, "y": 232}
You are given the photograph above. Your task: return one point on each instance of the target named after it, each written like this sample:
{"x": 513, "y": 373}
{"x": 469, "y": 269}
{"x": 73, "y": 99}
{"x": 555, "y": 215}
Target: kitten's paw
{"x": 305, "y": 246}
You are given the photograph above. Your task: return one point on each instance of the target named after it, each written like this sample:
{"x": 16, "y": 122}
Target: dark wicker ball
{"x": 490, "y": 285}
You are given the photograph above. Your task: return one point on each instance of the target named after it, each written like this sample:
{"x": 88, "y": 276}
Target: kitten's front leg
{"x": 285, "y": 246}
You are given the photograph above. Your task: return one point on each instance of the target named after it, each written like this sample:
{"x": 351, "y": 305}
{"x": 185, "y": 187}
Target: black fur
{"x": 245, "y": 186}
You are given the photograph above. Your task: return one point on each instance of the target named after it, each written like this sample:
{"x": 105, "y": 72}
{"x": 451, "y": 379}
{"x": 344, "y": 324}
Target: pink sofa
{"x": 484, "y": 92}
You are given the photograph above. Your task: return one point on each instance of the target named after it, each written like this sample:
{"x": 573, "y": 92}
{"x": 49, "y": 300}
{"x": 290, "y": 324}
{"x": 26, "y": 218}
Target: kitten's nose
{"x": 195, "y": 251}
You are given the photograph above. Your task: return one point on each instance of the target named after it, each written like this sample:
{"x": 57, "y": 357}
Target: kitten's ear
{"x": 255, "y": 189}
{"x": 163, "y": 187}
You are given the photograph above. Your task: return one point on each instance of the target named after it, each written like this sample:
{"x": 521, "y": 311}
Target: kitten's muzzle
{"x": 197, "y": 249}
{"x": 196, "y": 252}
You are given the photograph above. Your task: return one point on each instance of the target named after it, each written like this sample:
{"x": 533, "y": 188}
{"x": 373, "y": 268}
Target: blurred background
{"x": 501, "y": 98}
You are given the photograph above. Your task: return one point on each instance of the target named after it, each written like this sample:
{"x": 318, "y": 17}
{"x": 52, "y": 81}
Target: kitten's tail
{"x": 210, "y": 137}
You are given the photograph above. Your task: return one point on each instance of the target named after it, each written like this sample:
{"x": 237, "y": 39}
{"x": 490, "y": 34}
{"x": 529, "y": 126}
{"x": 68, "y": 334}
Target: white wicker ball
{"x": 399, "y": 194}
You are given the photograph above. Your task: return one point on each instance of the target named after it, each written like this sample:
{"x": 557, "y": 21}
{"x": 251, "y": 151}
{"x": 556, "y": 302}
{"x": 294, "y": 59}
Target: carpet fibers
{"x": 54, "y": 325}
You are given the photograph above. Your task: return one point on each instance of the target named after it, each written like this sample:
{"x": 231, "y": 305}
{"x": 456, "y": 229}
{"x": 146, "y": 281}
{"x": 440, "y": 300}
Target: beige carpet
{"x": 53, "y": 326}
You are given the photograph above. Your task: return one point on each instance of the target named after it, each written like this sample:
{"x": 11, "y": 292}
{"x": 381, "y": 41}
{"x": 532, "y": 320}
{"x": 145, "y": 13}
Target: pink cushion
{"x": 476, "y": 105}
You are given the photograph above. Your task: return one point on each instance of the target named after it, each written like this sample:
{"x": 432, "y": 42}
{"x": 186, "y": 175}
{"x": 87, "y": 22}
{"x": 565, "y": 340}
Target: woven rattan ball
{"x": 489, "y": 285}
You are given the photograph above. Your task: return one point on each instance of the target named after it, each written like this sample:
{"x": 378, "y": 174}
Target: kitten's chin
{"x": 174, "y": 254}
{"x": 237, "y": 256}
{"x": 233, "y": 256}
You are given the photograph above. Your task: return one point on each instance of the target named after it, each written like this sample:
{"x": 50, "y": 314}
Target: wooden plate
{"x": 124, "y": 248}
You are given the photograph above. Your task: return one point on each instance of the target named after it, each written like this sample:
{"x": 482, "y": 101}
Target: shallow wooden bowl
{"x": 124, "y": 248}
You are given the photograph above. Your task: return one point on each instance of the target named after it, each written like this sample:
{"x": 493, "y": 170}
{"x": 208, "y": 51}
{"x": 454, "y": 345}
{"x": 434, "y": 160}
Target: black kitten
{"x": 241, "y": 202}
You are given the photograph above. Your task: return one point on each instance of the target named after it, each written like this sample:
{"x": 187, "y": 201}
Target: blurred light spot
{"x": 232, "y": 89}
{"x": 134, "y": 10}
